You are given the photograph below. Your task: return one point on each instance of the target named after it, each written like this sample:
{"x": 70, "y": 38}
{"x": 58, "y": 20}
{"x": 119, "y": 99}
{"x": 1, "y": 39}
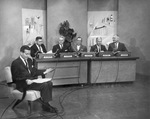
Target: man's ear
{"x": 21, "y": 53}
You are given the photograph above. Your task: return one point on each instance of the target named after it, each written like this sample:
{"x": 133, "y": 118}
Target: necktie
{"x": 27, "y": 65}
{"x": 116, "y": 46}
{"x": 99, "y": 48}
{"x": 61, "y": 46}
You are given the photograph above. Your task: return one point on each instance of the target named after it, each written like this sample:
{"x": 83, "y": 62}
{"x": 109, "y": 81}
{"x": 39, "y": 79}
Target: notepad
{"x": 40, "y": 80}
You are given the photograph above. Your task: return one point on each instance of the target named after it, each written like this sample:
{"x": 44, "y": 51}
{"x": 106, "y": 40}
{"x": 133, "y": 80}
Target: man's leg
{"x": 46, "y": 94}
{"x": 44, "y": 88}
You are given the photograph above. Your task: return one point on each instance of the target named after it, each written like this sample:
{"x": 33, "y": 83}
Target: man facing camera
{"x": 116, "y": 46}
{"x": 38, "y": 47}
{"x": 23, "y": 73}
{"x": 98, "y": 47}
{"x": 78, "y": 47}
{"x": 60, "y": 47}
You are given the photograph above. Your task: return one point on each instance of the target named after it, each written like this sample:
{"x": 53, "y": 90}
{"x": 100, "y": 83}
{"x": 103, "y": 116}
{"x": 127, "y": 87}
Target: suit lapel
{"x": 22, "y": 63}
{"x": 36, "y": 47}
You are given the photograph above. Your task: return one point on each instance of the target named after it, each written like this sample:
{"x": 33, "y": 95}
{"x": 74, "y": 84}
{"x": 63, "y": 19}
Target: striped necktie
{"x": 27, "y": 65}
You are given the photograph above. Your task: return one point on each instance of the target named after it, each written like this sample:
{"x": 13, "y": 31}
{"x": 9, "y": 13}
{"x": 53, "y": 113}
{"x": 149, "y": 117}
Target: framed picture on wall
{"x": 33, "y": 25}
{"x": 101, "y": 24}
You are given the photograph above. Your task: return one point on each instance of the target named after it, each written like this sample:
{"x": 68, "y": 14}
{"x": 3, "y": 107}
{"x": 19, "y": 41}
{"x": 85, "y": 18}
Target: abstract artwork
{"x": 33, "y": 23}
{"x": 101, "y": 24}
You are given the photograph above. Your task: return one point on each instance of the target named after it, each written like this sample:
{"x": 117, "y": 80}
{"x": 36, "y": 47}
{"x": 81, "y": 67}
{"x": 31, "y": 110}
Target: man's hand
{"x": 29, "y": 56}
{"x": 48, "y": 70}
{"x": 29, "y": 82}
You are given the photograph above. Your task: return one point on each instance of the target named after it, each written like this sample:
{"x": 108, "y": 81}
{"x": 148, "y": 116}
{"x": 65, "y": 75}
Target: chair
{"x": 31, "y": 95}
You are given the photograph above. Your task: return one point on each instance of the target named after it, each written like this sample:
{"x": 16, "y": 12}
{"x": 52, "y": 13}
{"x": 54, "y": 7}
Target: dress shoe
{"x": 49, "y": 108}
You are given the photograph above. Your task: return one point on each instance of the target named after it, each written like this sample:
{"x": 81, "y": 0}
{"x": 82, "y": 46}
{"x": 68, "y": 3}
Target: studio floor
{"x": 99, "y": 101}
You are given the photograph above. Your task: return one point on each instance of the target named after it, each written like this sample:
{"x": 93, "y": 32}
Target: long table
{"x": 89, "y": 70}
{"x": 68, "y": 70}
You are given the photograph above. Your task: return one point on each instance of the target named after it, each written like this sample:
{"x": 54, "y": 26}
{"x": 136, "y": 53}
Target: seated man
{"x": 78, "y": 47}
{"x": 60, "y": 47}
{"x": 23, "y": 72}
{"x": 98, "y": 47}
{"x": 116, "y": 46}
{"x": 38, "y": 47}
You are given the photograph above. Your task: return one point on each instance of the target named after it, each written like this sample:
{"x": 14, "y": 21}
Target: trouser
{"x": 44, "y": 88}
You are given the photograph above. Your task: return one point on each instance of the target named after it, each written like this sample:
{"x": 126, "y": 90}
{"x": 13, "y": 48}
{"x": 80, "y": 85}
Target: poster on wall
{"x": 101, "y": 24}
{"x": 33, "y": 24}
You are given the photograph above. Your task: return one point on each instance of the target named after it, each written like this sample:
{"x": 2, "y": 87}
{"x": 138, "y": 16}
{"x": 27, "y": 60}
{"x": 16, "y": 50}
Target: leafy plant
{"x": 67, "y": 32}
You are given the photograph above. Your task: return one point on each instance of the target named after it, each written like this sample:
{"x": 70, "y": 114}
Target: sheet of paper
{"x": 40, "y": 80}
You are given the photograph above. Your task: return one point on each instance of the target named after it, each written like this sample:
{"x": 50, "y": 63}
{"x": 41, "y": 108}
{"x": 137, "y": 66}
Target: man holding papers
{"x": 23, "y": 73}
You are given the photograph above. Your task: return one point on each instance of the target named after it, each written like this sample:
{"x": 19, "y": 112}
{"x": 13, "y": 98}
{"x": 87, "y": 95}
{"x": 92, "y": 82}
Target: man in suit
{"x": 23, "y": 73}
{"x": 38, "y": 47}
{"x": 116, "y": 46}
{"x": 98, "y": 47}
{"x": 61, "y": 47}
{"x": 78, "y": 47}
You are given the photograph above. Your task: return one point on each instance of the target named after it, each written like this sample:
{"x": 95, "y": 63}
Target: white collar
{"x": 37, "y": 46}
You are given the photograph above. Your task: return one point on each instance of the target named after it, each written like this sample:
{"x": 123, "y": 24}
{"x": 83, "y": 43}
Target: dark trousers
{"x": 44, "y": 88}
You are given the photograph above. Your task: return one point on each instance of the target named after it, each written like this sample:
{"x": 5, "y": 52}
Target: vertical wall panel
{"x": 75, "y": 11}
{"x": 133, "y": 28}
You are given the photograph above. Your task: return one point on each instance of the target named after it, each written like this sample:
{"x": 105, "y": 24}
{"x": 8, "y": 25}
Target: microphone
{"x": 56, "y": 50}
{"x": 56, "y": 53}
{"x": 37, "y": 54}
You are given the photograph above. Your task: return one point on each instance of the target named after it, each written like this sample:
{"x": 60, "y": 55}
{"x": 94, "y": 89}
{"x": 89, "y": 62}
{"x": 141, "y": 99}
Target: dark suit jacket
{"x": 82, "y": 48}
{"x": 56, "y": 49}
{"x": 20, "y": 73}
{"x": 121, "y": 47}
{"x": 35, "y": 50}
{"x": 94, "y": 48}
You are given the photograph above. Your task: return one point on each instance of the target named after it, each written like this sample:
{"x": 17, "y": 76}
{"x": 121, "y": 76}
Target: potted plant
{"x": 67, "y": 32}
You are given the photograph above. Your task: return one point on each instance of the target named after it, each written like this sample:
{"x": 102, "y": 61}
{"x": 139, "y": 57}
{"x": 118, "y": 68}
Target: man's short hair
{"x": 38, "y": 37}
{"x": 24, "y": 47}
{"x": 97, "y": 38}
{"x": 116, "y": 35}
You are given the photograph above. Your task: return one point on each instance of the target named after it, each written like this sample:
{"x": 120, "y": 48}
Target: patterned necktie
{"x": 27, "y": 65}
{"x": 99, "y": 48}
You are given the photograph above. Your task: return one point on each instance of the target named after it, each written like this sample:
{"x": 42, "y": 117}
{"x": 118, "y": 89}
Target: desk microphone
{"x": 56, "y": 53}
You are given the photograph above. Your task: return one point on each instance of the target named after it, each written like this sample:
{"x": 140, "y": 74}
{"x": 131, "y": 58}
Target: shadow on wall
{"x": 6, "y": 61}
{"x": 143, "y": 66}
